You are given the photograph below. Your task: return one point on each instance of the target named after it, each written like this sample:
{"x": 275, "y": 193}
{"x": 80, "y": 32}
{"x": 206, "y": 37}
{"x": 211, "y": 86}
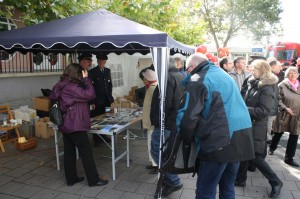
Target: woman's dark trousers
{"x": 262, "y": 166}
{"x": 291, "y": 145}
{"x": 81, "y": 141}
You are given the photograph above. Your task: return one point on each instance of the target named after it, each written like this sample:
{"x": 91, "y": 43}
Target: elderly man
{"x": 218, "y": 120}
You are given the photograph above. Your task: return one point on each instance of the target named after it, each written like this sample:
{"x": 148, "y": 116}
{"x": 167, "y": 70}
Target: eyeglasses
{"x": 188, "y": 68}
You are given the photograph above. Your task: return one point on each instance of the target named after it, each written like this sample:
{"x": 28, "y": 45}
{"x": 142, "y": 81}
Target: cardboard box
{"x": 24, "y": 113}
{"x": 42, "y": 128}
{"x": 42, "y": 103}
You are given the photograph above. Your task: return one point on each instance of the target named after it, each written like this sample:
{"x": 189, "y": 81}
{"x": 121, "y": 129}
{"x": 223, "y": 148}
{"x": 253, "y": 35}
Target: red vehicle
{"x": 283, "y": 51}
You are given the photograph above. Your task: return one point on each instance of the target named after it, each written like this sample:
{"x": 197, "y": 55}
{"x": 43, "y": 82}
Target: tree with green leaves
{"x": 170, "y": 16}
{"x": 228, "y": 18}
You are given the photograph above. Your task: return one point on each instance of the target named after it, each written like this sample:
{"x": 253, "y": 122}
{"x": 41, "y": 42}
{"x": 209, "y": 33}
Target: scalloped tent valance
{"x": 98, "y": 31}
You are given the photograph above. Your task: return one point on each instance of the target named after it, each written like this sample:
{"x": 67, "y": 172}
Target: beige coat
{"x": 290, "y": 99}
{"x": 147, "y": 107}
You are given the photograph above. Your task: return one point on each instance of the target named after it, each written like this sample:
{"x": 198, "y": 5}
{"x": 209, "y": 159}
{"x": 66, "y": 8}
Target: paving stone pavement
{"x": 33, "y": 174}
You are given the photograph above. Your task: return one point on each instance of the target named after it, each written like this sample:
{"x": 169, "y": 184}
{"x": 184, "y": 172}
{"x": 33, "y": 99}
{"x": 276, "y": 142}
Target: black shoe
{"x": 276, "y": 190}
{"x": 100, "y": 183}
{"x": 239, "y": 184}
{"x": 154, "y": 170}
{"x": 167, "y": 189}
{"x": 291, "y": 162}
{"x": 270, "y": 152}
{"x": 151, "y": 166}
{"x": 79, "y": 179}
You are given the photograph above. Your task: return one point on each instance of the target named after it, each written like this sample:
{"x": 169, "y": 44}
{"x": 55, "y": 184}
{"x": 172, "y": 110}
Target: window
{"x": 286, "y": 54}
{"x": 7, "y": 24}
{"x": 117, "y": 76}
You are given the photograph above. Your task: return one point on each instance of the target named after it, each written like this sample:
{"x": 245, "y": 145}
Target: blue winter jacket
{"x": 217, "y": 116}
{"x": 74, "y": 100}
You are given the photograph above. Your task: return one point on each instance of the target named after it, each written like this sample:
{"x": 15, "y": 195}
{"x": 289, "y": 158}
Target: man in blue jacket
{"x": 218, "y": 119}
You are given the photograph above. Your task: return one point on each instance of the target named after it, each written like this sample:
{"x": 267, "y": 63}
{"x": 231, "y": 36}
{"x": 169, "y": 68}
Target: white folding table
{"x": 117, "y": 129}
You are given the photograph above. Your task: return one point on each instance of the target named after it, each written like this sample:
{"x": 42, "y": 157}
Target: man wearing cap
{"x": 85, "y": 60}
{"x": 101, "y": 79}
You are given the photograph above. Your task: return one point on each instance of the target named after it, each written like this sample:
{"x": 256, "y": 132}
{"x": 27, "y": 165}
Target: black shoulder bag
{"x": 56, "y": 114}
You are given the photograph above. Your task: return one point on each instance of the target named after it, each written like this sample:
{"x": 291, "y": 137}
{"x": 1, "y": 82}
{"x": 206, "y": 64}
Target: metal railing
{"x": 32, "y": 63}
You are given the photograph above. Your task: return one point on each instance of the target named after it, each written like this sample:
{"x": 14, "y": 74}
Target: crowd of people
{"x": 235, "y": 110}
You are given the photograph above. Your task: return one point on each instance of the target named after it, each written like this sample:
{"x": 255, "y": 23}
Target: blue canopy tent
{"x": 98, "y": 31}
{"x": 95, "y": 31}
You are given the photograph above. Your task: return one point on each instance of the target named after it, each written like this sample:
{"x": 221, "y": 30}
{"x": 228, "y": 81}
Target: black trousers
{"x": 81, "y": 141}
{"x": 291, "y": 145}
{"x": 262, "y": 166}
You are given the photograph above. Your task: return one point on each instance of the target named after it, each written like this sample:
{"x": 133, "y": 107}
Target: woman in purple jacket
{"x": 74, "y": 91}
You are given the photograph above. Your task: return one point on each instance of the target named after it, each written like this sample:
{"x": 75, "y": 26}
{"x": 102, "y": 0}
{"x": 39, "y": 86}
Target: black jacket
{"x": 259, "y": 98}
{"x": 173, "y": 93}
{"x": 103, "y": 85}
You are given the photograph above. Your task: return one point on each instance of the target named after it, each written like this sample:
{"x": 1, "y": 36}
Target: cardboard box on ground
{"x": 42, "y": 128}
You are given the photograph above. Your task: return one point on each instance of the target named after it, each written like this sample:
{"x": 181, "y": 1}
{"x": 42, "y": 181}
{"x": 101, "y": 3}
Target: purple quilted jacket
{"x": 74, "y": 102}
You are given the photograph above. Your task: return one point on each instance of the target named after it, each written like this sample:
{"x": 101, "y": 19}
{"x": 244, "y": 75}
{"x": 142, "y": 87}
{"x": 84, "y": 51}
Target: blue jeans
{"x": 211, "y": 174}
{"x": 169, "y": 179}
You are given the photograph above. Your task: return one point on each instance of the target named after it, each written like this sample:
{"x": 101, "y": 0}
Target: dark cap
{"x": 85, "y": 56}
{"x": 285, "y": 63}
{"x": 254, "y": 57}
{"x": 101, "y": 56}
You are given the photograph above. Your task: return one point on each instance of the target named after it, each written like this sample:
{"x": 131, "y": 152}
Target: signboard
{"x": 257, "y": 50}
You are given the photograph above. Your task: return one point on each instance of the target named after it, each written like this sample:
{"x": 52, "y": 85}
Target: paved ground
{"x": 33, "y": 174}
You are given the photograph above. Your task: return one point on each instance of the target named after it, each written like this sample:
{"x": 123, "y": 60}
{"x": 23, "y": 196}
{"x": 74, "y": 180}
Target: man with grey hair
{"x": 174, "y": 91}
{"x": 217, "y": 120}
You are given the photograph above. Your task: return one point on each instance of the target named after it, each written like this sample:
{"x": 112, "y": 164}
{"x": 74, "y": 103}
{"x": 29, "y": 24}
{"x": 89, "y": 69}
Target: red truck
{"x": 283, "y": 51}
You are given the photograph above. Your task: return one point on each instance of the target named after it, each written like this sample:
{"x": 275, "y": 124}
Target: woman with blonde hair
{"x": 287, "y": 120}
{"x": 259, "y": 97}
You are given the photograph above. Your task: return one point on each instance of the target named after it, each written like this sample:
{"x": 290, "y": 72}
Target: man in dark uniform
{"x": 85, "y": 60}
{"x": 101, "y": 79}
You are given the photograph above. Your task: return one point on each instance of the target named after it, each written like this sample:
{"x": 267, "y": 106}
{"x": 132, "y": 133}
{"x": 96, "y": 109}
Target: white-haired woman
{"x": 258, "y": 98}
{"x": 287, "y": 120}
{"x": 149, "y": 78}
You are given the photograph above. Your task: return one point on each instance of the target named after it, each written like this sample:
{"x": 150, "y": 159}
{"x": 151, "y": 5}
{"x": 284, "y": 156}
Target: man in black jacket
{"x": 173, "y": 93}
{"x": 101, "y": 79}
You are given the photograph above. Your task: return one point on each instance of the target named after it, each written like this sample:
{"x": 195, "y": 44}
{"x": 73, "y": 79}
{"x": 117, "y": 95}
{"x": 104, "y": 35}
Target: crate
{"x": 30, "y": 144}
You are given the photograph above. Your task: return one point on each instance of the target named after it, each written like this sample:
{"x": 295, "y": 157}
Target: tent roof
{"x": 95, "y": 31}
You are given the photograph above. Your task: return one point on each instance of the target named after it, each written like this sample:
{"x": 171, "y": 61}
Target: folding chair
{"x": 5, "y": 135}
